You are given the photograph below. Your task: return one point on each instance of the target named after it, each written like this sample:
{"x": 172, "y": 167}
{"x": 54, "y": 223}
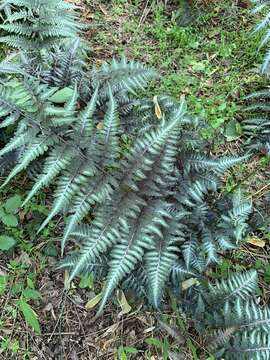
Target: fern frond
{"x": 57, "y": 161}
{"x": 121, "y": 75}
{"x": 237, "y": 286}
{"x": 37, "y": 25}
{"x": 67, "y": 186}
{"x": 159, "y": 261}
{"x": 37, "y": 148}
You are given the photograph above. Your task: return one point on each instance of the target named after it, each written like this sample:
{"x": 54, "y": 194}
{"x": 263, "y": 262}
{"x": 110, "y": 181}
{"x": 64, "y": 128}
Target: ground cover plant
{"x": 149, "y": 194}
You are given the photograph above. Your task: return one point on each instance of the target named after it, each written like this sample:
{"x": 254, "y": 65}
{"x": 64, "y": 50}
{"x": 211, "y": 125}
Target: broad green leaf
{"x": 9, "y": 220}
{"x": 13, "y": 203}
{"x": 86, "y": 282}
{"x": 31, "y": 294}
{"x": 62, "y": 95}
{"x": 6, "y": 242}
{"x": 2, "y": 212}
{"x": 3, "y": 284}
{"x": 30, "y": 283}
{"x": 29, "y": 315}
{"x": 154, "y": 342}
{"x": 130, "y": 350}
{"x": 233, "y": 130}
{"x": 17, "y": 288}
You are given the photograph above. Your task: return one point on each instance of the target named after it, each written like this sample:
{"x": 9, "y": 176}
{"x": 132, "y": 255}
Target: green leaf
{"x": 50, "y": 249}
{"x": 198, "y": 66}
{"x": 3, "y": 284}
{"x": 31, "y": 294}
{"x": 87, "y": 282}
{"x": 9, "y": 220}
{"x": 61, "y": 96}
{"x": 130, "y": 350}
{"x": 2, "y": 212}
{"x": 233, "y": 130}
{"x": 17, "y": 288}
{"x": 121, "y": 353}
{"x": 29, "y": 315}
{"x": 30, "y": 283}
{"x": 6, "y": 242}
{"x": 154, "y": 342}
{"x": 13, "y": 203}
{"x": 192, "y": 349}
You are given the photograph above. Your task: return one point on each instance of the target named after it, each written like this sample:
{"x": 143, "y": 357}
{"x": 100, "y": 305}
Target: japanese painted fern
{"x": 257, "y": 127}
{"x": 152, "y": 200}
{"x": 262, "y": 6}
{"x": 32, "y": 25}
{"x": 235, "y": 326}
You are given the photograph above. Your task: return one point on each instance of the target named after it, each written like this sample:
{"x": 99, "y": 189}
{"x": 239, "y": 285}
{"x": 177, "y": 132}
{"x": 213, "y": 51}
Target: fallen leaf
{"x": 93, "y": 302}
{"x": 150, "y": 329}
{"x": 110, "y": 330}
{"x": 256, "y": 242}
{"x": 100, "y": 126}
{"x": 188, "y": 283}
{"x": 173, "y": 332}
{"x": 158, "y": 111}
{"x": 66, "y": 280}
{"x": 125, "y": 307}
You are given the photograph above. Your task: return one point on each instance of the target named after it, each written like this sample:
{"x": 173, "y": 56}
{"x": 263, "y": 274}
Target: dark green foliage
{"x": 235, "y": 326}
{"x": 143, "y": 205}
{"x": 262, "y": 6}
{"x": 33, "y": 25}
{"x": 157, "y": 218}
{"x": 138, "y": 168}
{"x": 257, "y": 127}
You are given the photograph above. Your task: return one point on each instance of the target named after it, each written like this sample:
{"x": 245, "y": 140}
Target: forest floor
{"x": 212, "y": 63}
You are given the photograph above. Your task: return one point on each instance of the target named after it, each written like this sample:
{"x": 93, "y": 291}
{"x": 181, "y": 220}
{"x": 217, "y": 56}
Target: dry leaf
{"x": 188, "y": 283}
{"x": 66, "y": 280}
{"x": 173, "y": 332}
{"x": 110, "y": 330}
{"x": 158, "y": 111}
{"x": 125, "y": 307}
{"x": 256, "y": 242}
{"x": 176, "y": 356}
{"x": 100, "y": 126}
{"x": 150, "y": 329}
{"x": 93, "y": 302}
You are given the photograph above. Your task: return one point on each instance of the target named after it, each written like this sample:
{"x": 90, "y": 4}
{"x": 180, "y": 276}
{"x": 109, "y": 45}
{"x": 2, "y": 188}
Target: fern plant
{"x": 32, "y": 25}
{"x": 257, "y": 127}
{"x": 262, "y": 6}
{"x": 228, "y": 314}
{"x": 140, "y": 204}
{"x": 150, "y": 196}
{"x": 146, "y": 225}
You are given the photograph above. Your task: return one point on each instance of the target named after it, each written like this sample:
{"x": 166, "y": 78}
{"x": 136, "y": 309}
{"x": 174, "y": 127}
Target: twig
{"x": 63, "y": 303}
{"x": 144, "y": 14}
{"x": 261, "y": 189}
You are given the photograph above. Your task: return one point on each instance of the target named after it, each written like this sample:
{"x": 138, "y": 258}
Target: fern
{"x": 260, "y": 6}
{"x": 257, "y": 127}
{"x": 236, "y": 327}
{"x": 142, "y": 224}
{"x": 35, "y": 25}
{"x": 138, "y": 167}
